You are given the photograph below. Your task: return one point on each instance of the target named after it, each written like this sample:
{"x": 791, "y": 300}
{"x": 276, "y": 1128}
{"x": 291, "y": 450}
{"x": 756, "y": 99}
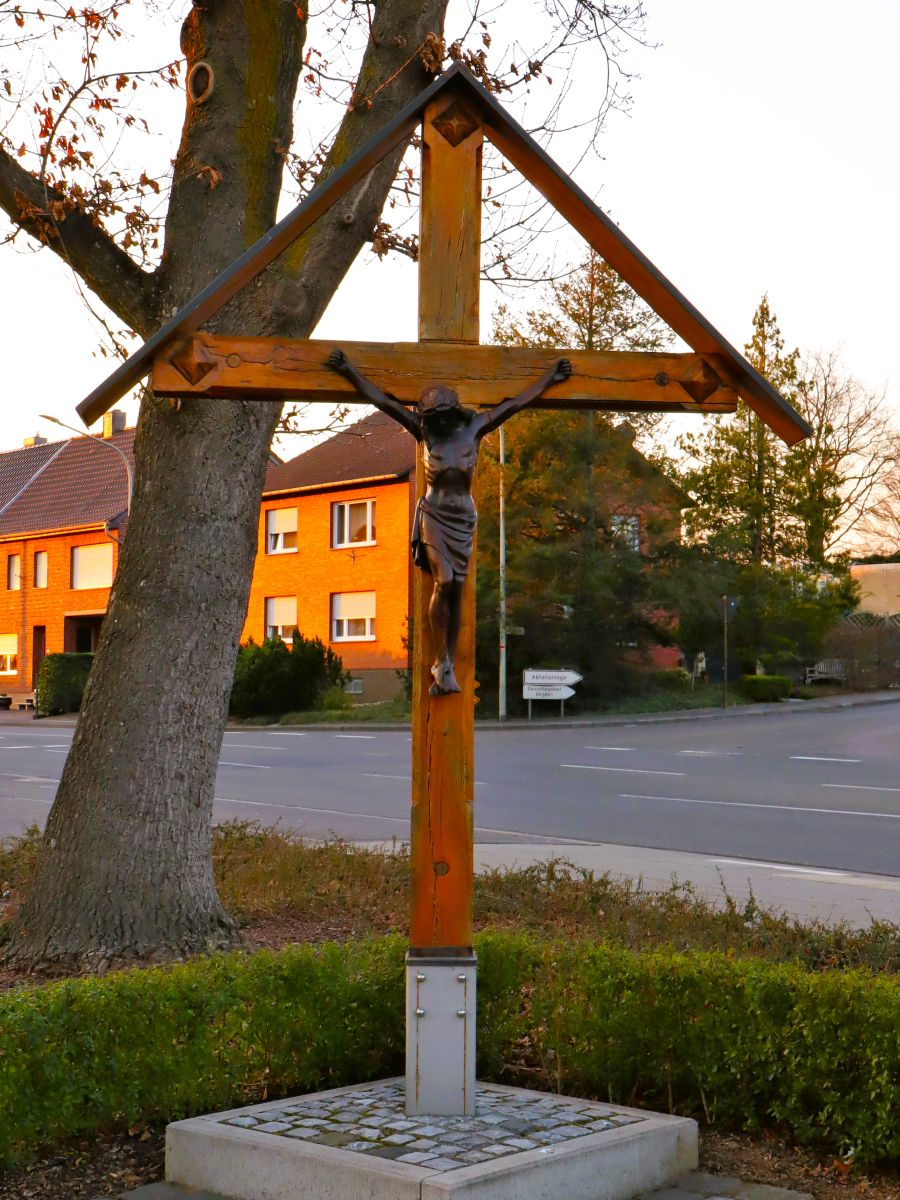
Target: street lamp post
{"x": 501, "y": 702}
{"x": 103, "y": 442}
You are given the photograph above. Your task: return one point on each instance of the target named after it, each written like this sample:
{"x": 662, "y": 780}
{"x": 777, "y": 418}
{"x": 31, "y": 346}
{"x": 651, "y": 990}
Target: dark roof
{"x": 17, "y": 467}
{"x": 72, "y": 483}
{"x": 523, "y": 152}
{"x": 375, "y": 447}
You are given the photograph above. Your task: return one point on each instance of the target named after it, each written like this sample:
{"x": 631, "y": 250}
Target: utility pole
{"x": 501, "y": 702}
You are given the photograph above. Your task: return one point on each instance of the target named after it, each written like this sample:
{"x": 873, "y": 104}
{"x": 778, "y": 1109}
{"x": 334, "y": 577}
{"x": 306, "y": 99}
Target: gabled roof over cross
{"x": 473, "y": 104}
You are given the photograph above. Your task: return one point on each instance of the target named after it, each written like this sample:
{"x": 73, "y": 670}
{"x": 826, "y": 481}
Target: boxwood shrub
{"x": 61, "y": 682}
{"x": 762, "y": 689}
{"x": 746, "y": 1043}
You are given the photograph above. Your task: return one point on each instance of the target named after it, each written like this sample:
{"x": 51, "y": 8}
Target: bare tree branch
{"x": 84, "y": 245}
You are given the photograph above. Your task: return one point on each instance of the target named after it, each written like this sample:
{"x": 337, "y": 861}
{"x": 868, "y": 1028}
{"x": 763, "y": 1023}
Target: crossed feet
{"x": 444, "y": 678}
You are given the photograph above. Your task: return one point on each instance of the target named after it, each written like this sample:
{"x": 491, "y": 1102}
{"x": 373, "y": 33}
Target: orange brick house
{"x": 333, "y": 557}
{"x": 62, "y": 508}
{"x": 332, "y": 560}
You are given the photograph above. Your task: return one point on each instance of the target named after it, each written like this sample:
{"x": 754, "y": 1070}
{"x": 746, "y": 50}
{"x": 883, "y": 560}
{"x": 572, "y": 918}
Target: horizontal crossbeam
{"x": 244, "y": 368}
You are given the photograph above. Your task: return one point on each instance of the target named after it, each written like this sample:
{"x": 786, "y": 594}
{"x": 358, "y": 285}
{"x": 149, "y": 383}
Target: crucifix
{"x": 465, "y": 390}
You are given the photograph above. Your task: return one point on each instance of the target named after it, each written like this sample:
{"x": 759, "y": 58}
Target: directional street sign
{"x": 550, "y": 678}
{"x": 533, "y": 691}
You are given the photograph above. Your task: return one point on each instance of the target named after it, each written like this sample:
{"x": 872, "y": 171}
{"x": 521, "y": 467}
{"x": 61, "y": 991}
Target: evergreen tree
{"x": 575, "y": 485}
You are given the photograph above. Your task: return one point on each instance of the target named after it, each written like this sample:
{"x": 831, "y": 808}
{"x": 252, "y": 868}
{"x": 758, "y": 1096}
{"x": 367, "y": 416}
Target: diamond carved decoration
{"x": 190, "y": 361}
{"x": 455, "y": 124}
{"x": 700, "y": 382}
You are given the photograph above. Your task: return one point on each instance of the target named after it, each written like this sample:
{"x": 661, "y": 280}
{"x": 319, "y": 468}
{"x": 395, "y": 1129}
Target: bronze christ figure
{"x": 444, "y": 523}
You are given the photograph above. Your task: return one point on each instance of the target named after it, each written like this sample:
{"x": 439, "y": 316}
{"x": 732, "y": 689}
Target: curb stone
{"x": 697, "y": 1186}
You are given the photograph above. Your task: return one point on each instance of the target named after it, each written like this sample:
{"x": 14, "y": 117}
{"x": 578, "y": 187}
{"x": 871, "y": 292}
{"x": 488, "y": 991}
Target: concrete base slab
{"x": 359, "y": 1142}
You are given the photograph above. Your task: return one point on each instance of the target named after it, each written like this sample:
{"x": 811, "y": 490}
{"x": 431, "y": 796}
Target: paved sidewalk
{"x": 696, "y": 1186}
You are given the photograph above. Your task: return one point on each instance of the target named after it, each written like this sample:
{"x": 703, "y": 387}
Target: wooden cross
{"x": 455, "y": 114}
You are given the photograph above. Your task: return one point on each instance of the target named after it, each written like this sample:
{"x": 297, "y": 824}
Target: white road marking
{"x": 749, "y": 862}
{"x": 861, "y": 787}
{"x": 57, "y": 746}
{"x": 51, "y": 750}
{"x": 27, "y": 778}
{"x": 27, "y": 799}
{"x": 250, "y": 746}
{"x": 246, "y": 766}
{"x": 713, "y": 753}
{"x": 405, "y": 778}
{"x": 821, "y": 758}
{"x": 286, "y": 733}
{"x": 630, "y": 749}
{"x": 338, "y": 812}
{"x": 626, "y": 770}
{"x": 834, "y": 812}
{"x": 330, "y": 812}
{"x": 16, "y": 747}
{"x": 357, "y": 737}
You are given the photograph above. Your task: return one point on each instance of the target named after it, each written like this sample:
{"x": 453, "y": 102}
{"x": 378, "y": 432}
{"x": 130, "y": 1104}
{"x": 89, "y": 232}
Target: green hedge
{"x": 762, "y": 689}
{"x": 61, "y": 682}
{"x": 751, "y": 1044}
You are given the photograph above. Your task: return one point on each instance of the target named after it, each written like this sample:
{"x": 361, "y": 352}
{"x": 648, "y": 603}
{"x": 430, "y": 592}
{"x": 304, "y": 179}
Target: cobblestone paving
{"x": 372, "y": 1120}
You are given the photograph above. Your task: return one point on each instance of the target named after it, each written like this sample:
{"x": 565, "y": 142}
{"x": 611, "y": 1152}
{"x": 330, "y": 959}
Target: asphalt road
{"x": 815, "y": 788}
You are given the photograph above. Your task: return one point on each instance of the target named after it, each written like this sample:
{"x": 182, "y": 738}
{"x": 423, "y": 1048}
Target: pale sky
{"x": 756, "y": 158}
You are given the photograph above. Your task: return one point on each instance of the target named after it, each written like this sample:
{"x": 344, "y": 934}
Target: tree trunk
{"x": 125, "y": 868}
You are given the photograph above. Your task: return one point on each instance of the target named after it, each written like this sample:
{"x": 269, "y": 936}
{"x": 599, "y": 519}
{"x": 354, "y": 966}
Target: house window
{"x": 628, "y": 531}
{"x": 9, "y": 654}
{"x": 353, "y": 523}
{"x": 92, "y": 566}
{"x": 40, "y": 569}
{"x": 14, "y": 572}
{"x": 281, "y": 617}
{"x": 353, "y": 617}
{"x": 281, "y": 531}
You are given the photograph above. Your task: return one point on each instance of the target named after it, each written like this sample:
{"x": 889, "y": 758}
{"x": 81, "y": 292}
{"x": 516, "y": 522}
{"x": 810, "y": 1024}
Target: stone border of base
{"x": 242, "y": 1164}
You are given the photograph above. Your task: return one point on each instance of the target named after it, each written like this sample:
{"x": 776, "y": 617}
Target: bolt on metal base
{"x": 440, "y": 1035}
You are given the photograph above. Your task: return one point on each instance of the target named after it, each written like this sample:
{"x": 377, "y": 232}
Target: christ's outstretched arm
{"x": 338, "y": 361}
{"x": 489, "y": 421}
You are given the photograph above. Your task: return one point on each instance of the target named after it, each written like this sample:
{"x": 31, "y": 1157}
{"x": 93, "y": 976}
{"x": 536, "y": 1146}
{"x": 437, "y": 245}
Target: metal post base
{"x": 440, "y": 1036}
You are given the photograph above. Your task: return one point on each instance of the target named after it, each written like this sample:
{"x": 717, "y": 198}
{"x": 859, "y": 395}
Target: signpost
{"x": 549, "y": 685}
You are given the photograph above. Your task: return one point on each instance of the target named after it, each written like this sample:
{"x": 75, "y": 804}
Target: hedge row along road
{"x": 749, "y": 1044}
{"x": 811, "y": 790}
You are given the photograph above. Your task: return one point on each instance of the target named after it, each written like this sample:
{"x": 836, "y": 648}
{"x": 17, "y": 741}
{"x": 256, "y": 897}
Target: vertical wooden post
{"x": 440, "y": 1046}
{"x": 443, "y": 745}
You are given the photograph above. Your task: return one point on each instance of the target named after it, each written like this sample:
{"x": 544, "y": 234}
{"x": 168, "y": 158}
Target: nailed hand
{"x": 338, "y": 361}
{"x": 561, "y": 371}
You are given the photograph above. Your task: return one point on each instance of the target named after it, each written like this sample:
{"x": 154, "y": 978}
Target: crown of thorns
{"x": 437, "y": 399}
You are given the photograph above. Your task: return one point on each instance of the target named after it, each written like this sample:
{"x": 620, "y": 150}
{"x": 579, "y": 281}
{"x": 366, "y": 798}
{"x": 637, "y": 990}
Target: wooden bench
{"x": 827, "y": 668}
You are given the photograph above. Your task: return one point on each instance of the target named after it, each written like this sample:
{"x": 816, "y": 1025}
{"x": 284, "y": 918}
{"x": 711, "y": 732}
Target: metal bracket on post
{"x": 440, "y": 1035}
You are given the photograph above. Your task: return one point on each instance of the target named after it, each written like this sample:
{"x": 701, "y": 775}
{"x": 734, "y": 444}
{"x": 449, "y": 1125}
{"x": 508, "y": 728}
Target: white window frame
{"x": 9, "y": 654}
{"x": 42, "y": 557}
{"x": 94, "y": 549}
{"x": 283, "y": 629}
{"x": 342, "y": 507}
{"x": 279, "y": 531}
{"x": 14, "y": 572}
{"x": 353, "y": 606}
{"x": 627, "y": 528}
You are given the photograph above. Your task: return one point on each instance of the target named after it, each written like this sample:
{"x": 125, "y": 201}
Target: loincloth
{"x": 448, "y": 531}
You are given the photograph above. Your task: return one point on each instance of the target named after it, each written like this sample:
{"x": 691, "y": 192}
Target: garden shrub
{"x": 61, "y": 682}
{"x": 672, "y": 679}
{"x": 748, "y": 1043}
{"x": 762, "y": 689}
{"x": 272, "y": 679}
